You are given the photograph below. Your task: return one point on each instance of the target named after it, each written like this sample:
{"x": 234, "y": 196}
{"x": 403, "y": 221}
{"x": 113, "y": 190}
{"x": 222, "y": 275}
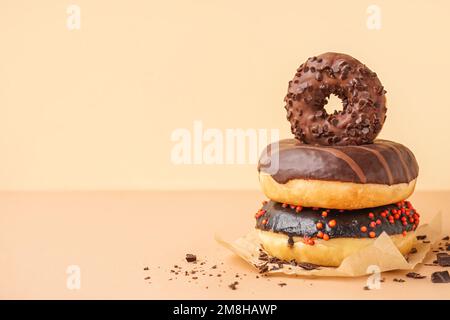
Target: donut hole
{"x": 333, "y": 104}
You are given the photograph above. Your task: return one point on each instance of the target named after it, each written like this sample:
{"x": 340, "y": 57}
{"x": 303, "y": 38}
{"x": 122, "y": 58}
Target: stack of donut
{"x": 335, "y": 188}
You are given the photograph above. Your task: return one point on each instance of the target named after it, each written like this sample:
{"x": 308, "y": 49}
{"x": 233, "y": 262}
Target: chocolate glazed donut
{"x": 361, "y": 92}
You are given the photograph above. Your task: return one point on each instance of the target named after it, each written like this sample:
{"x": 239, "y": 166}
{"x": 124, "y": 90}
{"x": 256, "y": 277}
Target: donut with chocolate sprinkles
{"x": 362, "y": 94}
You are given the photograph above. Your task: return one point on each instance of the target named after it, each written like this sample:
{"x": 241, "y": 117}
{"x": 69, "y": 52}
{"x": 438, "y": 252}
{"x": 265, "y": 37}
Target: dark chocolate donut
{"x": 382, "y": 162}
{"x": 361, "y": 92}
{"x": 315, "y": 222}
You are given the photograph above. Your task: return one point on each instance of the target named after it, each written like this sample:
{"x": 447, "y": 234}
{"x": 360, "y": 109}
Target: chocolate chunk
{"x": 191, "y": 257}
{"x": 415, "y": 275}
{"x": 446, "y": 238}
{"x": 443, "y": 259}
{"x": 421, "y": 237}
{"x": 440, "y": 277}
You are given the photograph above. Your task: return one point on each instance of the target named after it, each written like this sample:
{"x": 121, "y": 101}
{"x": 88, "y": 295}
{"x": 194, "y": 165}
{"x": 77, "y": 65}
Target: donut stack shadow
{"x": 331, "y": 195}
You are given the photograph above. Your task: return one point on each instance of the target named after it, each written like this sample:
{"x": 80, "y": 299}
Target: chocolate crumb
{"x": 214, "y": 267}
{"x": 191, "y": 257}
{"x": 413, "y": 250}
{"x": 446, "y": 238}
{"x": 421, "y": 237}
{"x": 146, "y": 269}
{"x": 425, "y": 241}
{"x": 415, "y": 275}
{"x": 307, "y": 266}
{"x": 398, "y": 280}
{"x": 366, "y": 288}
{"x": 233, "y": 286}
{"x": 282, "y": 284}
{"x": 440, "y": 277}
{"x": 147, "y": 278}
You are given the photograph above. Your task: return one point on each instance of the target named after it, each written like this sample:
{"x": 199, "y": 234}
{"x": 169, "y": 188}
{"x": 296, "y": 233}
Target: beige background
{"x": 94, "y": 108}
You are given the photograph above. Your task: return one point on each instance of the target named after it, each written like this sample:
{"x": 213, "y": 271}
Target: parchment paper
{"x": 382, "y": 253}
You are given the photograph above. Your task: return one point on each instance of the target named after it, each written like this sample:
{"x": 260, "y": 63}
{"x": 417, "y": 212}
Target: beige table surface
{"x": 113, "y": 236}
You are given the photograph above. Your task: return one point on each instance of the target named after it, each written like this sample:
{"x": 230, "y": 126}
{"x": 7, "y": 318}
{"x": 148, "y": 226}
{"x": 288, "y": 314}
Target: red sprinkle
{"x": 298, "y": 209}
{"x": 324, "y": 214}
{"x": 404, "y": 233}
{"x": 326, "y": 237}
{"x": 373, "y": 224}
{"x": 319, "y": 225}
{"x": 363, "y": 229}
{"x": 260, "y": 213}
{"x": 371, "y": 215}
{"x": 332, "y": 223}
{"x": 372, "y": 234}
{"x": 284, "y": 205}
{"x": 378, "y": 221}
{"x": 320, "y": 234}
{"x": 264, "y": 221}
